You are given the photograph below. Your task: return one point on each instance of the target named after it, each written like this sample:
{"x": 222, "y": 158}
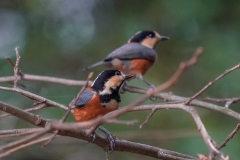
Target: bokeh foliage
{"x": 59, "y": 38}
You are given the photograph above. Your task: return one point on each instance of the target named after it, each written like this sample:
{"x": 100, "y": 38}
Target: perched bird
{"x": 135, "y": 57}
{"x": 100, "y": 98}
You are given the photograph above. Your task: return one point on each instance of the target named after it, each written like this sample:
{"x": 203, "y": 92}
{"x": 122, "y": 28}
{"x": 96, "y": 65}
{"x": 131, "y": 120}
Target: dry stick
{"x": 27, "y": 110}
{"x": 121, "y": 145}
{"x": 72, "y": 103}
{"x": 11, "y": 62}
{"x": 16, "y": 131}
{"x": 26, "y": 139}
{"x": 236, "y": 99}
{"x": 29, "y": 77}
{"x": 16, "y": 69}
{"x": 148, "y": 118}
{"x": 17, "y": 134}
{"x": 129, "y": 122}
{"x": 211, "y": 83}
{"x": 34, "y": 97}
{"x": 229, "y": 137}
{"x": 228, "y": 101}
{"x": 9, "y": 152}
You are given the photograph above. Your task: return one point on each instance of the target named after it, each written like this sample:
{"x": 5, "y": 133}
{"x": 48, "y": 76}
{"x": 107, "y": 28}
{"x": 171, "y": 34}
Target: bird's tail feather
{"x": 94, "y": 65}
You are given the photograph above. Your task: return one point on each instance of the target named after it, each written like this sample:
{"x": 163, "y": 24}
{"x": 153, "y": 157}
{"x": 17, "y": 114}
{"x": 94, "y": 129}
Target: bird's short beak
{"x": 127, "y": 76}
{"x": 163, "y": 38}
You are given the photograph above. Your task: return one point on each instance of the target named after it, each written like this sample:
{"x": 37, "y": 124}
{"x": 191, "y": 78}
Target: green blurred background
{"x": 58, "y": 38}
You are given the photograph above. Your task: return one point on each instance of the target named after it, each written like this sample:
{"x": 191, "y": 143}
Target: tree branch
{"x": 121, "y": 145}
{"x": 229, "y": 137}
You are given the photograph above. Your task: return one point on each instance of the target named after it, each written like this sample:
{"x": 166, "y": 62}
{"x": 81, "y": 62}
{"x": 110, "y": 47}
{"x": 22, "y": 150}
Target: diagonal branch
{"x": 34, "y": 97}
{"x": 211, "y": 83}
{"x": 229, "y": 137}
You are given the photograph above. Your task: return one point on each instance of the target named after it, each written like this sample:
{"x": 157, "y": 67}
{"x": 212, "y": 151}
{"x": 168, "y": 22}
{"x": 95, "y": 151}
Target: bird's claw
{"x": 111, "y": 140}
{"x": 152, "y": 88}
{"x": 93, "y": 136}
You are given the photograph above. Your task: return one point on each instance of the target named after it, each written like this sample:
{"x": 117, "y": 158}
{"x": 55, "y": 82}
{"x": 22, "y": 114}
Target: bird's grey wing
{"x": 132, "y": 51}
{"x": 84, "y": 98}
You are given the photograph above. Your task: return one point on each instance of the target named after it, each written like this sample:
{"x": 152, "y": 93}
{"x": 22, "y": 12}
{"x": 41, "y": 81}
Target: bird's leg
{"x": 110, "y": 138}
{"x": 139, "y": 76}
{"x": 152, "y": 87}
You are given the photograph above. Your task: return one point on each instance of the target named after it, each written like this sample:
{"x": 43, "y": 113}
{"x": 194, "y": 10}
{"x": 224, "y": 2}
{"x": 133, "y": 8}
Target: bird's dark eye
{"x": 117, "y": 73}
{"x": 151, "y": 35}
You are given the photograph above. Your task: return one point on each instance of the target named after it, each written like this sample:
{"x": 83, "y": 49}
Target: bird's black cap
{"x": 141, "y": 35}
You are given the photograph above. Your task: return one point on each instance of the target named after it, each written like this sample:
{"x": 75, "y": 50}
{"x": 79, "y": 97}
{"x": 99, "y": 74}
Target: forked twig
{"x": 211, "y": 83}
{"x": 228, "y": 101}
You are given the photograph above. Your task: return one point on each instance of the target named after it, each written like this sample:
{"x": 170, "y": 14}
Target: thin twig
{"x": 229, "y": 137}
{"x": 9, "y": 152}
{"x": 34, "y": 97}
{"x": 72, "y": 103}
{"x": 228, "y": 101}
{"x": 10, "y": 61}
{"x": 148, "y": 117}
{"x": 30, "y": 77}
{"x": 182, "y": 67}
{"x": 16, "y": 69}
{"x": 16, "y": 131}
{"x": 17, "y": 134}
{"x": 211, "y": 83}
{"x": 26, "y": 139}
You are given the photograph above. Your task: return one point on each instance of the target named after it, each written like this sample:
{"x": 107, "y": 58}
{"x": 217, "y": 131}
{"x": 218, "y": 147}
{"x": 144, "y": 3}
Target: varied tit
{"x": 135, "y": 57}
{"x": 100, "y": 98}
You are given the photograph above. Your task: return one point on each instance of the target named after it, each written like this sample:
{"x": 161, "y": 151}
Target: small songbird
{"x": 100, "y": 98}
{"x": 135, "y": 57}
